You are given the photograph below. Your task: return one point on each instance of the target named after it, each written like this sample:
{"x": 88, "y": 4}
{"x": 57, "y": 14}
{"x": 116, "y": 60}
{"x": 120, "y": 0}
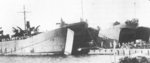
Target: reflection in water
{"x": 57, "y": 59}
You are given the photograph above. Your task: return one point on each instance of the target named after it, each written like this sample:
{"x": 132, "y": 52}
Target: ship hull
{"x": 65, "y": 40}
{"x": 45, "y": 43}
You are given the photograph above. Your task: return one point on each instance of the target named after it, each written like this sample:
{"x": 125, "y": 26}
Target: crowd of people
{"x": 137, "y": 44}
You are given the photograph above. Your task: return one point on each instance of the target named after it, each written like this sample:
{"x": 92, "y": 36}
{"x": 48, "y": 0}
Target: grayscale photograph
{"x": 74, "y": 31}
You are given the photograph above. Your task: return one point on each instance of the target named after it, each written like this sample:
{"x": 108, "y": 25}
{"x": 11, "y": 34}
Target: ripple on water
{"x": 57, "y": 59}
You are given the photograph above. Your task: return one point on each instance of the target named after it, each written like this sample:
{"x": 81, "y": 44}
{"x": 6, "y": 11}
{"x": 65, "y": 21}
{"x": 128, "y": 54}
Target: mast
{"x": 24, "y": 14}
{"x": 82, "y": 16}
{"x": 134, "y": 4}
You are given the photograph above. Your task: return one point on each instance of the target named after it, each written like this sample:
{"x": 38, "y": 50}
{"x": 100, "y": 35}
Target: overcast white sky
{"x": 48, "y": 12}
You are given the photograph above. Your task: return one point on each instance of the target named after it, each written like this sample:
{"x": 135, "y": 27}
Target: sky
{"x": 47, "y": 13}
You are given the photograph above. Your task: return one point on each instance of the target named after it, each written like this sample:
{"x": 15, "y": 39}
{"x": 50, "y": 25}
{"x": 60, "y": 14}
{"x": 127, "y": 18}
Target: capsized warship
{"x": 68, "y": 39}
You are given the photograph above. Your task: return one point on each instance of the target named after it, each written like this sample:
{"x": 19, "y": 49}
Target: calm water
{"x": 58, "y": 59}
